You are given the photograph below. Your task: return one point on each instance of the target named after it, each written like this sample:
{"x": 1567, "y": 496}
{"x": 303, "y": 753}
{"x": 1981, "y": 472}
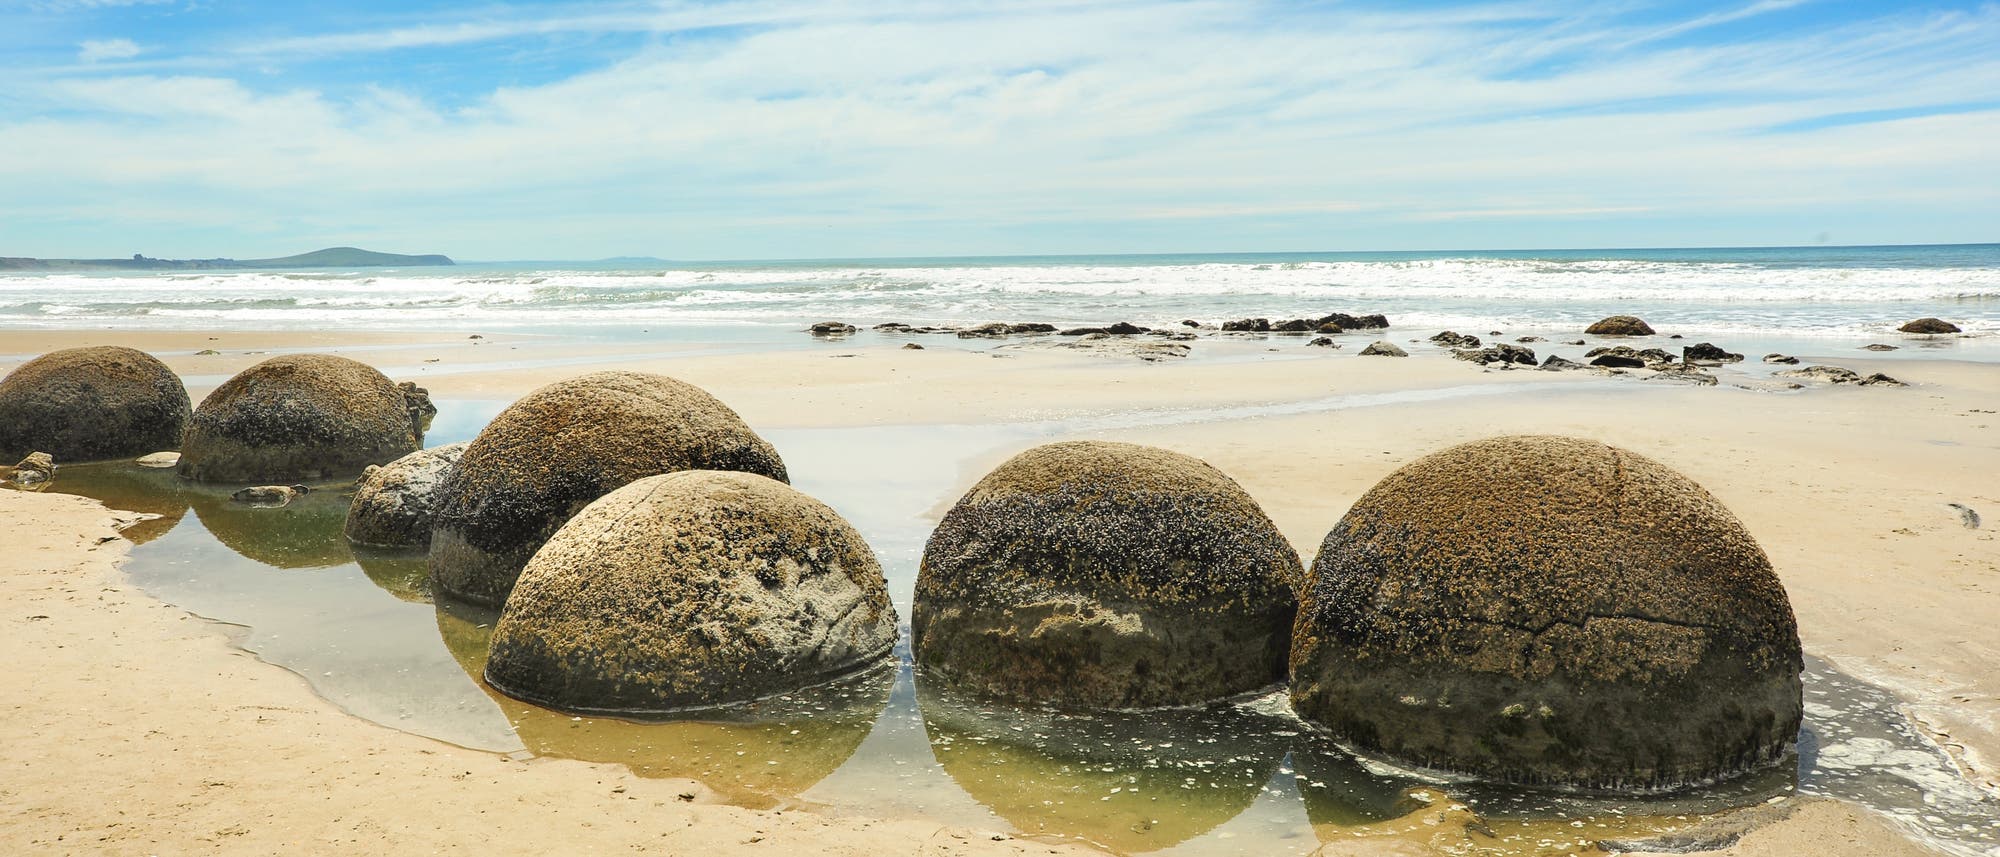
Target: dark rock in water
{"x": 1877, "y": 346}
{"x": 1384, "y": 348}
{"x": 270, "y": 495}
{"x": 1498, "y": 352}
{"x": 1829, "y": 374}
{"x": 718, "y": 587}
{"x": 894, "y": 327}
{"x": 1555, "y": 363}
{"x": 994, "y": 330}
{"x": 1549, "y": 611}
{"x": 1294, "y": 325}
{"x": 1683, "y": 373}
{"x": 394, "y": 504}
{"x": 1929, "y": 325}
{"x": 1880, "y": 380}
{"x": 911, "y": 346}
{"x": 299, "y": 417}
{"x": 418, "y": 400}
{"x": 1083, "y": 331}
{"x": 1188, "y": 322}
{"x": 831, "y": 328}
{"x": 1175, "y": 335}
{"x": 1708, "y": 353}
{"x": 1125, "y": 328}
{"x": 1451, "y": 339}
{"x": 1620, "y": 325}
{"x": 88, "y": 404}
{"x": 1619, "y": 358}
{"x": 1031, "y": 327}
{"x": 550, "y": 454}
{"x": 1356, "y": 322}
{"x": 1654, "y": 356}
{"x": 1495, "y": 333}
{"x": 1329, "y": 327}
{"x": 1105, "y": 575}
{"x": 1780, "y": 358}
{"x": 1527, "y": 339}
{"x": 1675, "y": 336}
{"x": 36, "y": 467}
{"x": 1248, "y": 325}
{"x": 1575, "y": 342}
{"x": 1323, "y": 342}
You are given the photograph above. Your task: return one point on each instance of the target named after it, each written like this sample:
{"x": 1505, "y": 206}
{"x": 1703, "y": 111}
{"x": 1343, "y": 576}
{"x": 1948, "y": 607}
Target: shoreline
{"x": 1824, "y": 473}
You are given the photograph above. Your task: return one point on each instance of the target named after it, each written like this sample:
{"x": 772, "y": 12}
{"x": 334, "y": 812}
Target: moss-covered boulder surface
{"x": 1549, "y": 610}
{"x": 394, "y": 504}
{"x": 302, "y": 417}
{"x": 562, "y": 446}
{"x": 88, "y": 404}
{"x": 692, "y": 589}
{"x": 1106, "y": 575}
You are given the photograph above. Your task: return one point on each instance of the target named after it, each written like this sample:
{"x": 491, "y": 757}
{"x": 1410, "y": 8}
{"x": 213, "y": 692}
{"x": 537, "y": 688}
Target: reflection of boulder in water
{"x": 304, "y": 533}
{"x": 763, "y": 755}
{"x": 404, "y": 574}
{"x": 127, "y": 486}
{"x": 1127, "y": 781}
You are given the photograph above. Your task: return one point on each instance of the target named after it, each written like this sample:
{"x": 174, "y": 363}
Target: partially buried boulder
{"x": 1620, "y": 325}
{"x": 86, "y": 404}
{"x": 550, "y": 454}
{"x": 1384, "y": 348}
{"x": 1929, "y": 325}
{"x": 692, "y": 589}
{"x": 1090, "y": 574}
{"x": 394, "y": 504}
{"x": 298, "y": 417}
{"x": 1549, "y": 610}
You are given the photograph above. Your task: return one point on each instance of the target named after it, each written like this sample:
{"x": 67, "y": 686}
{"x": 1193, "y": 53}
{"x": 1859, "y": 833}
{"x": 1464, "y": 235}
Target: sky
{"x": 768, "y": 129}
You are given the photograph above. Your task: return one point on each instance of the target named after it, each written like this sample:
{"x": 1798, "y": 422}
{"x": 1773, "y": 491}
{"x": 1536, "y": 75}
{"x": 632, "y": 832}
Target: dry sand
{"x": 135, "y": 728}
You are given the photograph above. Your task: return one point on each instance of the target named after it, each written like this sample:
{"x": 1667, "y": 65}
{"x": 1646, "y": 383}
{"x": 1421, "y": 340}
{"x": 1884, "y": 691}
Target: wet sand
{"x": 131, "y": 721}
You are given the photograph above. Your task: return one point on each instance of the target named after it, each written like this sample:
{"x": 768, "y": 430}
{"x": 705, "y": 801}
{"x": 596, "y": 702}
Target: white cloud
{"x": 97, "y": 50}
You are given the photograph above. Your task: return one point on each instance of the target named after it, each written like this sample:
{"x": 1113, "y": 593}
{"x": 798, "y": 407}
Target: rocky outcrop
{"x": 562, "y": 446}
{"x": 89, "y": 404}
{"x": 692, "y": 589}
{"x": 1785, "y": 359}
{"x": 1089, "y": 574}
{"x": 1827, "y": 374}
{"x": 418, "y": 400}
{"x": 1929, "y": 325}
{"x": 1549, "y": 611}
{"x": 1294, "y": 325}
{"x": 1248, "y": 325}
{"x": 394, "y": 504}
{"x": 1384, "y": 348}
{"x": 1453, "y": 339}
{"x": 299, "y": 417}
{"x": 1344, "y": 321}
{"x": 1626, "y": 357}
{"x": 1620, "y": 325}
{"x": 1323, "y": 342}
{"x": 1703, "y": 352}
{"x": 1499, "y": 352}
{"x": 831, "y": 328}
{"x": 1555, "y": 364}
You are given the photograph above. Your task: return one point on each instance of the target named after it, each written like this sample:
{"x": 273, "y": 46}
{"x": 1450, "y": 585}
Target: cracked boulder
{"x": 1090, "y": 574}
{"x": 1549, "y": 611}
{"x": 86, "y": 404}
{"x": 393, "y": 504}
{"x": 299, "y": 417}
{"x": 690, "y": 590}
{"x": 550, "y": 454}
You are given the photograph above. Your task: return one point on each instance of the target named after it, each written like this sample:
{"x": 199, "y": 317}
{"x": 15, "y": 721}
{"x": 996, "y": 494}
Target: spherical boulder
{"x": 86, "y": 404}
{"x": 299, "y": 417}
{"x": 1620, "y": 325}
{"x": 394, "y": 504}
{"x": 1929, "y": 325}
{"x": 550, "y": 454}
{"x": 692, "y": 589}
{"x": 1549, "y": 610}
{"x": 1089, "y": 574}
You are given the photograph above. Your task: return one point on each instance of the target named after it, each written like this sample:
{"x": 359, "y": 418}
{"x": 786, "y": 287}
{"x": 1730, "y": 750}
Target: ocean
{"x": 1790, "y": 291}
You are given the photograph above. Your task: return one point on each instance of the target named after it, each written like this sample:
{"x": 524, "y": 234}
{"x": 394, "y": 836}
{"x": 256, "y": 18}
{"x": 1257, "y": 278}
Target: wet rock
{"x": 1527, "y": 339}
{"x": 995, "y": 330}
{"x": 158, "y": 459}
{"x": 1575, "y": 342}
{"x": 1329, "y": 327}
{"x": 1708, "y": 353}
{"x": 1356, "y": 322}
{"x": 1619, "y": 357}
{"x": 1105, "y": 575}
{"x": 831, "y": 328}
{"x": 1828, "y": 374}
{"x": 1877, "y": 346}
{"x": 1450, "y": 339}
{"x": 270, "y": 495}
{"x": 1620, "y": 325}
{"x": 550, "y": 454}
{"x": 1929, "y": 325}
{"x": 1125, "y": 328}
{"x": 1248, "y": 325}
{"x": 36, "y": 467}
{"x": 90, "y": 404}
{"x": 1294, "y": 325}
{"x": 207, "y": 352}
{"x": 1499, "y": 352}
{"x": 692, "y": 589}
{"x": 1323, "y": 342}
{"x": 1174, "y": 335}
{"x": 394, "y": 504}
{"x": 911, "y": 346}
{"x": 893, "y": 327}
{"x": 1878, "y": 379}
{"x": 1383, "y": 348}
{"x": 1781, "y": 358}
{"x": 418, "y": 400}
{"x": 1031, "y": 327}
{"x": 1550, "y": 611}
{"x": 1084, "y": 331}
{"x": 1555, "y": 363}
{"x": 298, "y": 417}
{"x": 1683, "y": 373}
{"x": 1188, "y": 322}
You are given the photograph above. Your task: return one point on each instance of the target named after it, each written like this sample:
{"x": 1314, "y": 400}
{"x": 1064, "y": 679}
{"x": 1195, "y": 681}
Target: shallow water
{"x": 1247, "y": 776}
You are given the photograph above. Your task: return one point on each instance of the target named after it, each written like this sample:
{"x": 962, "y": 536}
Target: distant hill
{"x": 331, "y": 257}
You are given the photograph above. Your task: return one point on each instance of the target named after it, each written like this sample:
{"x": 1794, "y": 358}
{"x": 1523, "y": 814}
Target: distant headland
{"x": 331, "y": 257}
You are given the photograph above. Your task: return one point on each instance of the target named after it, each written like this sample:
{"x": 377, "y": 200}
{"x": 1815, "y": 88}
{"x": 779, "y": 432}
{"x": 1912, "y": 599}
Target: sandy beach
{"x": 134, "y": 727}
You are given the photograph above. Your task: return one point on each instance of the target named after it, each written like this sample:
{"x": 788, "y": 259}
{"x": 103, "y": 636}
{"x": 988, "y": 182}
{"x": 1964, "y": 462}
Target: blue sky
{"x": 787, "y": 129}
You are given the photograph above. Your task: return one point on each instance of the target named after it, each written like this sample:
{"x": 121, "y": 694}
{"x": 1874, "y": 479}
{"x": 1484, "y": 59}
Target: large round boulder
{"x": 688, "y": 590}
{"x": 1549, "y": 610}
{"x": 300, "y": 417}
{"x": 394, "y": 504}
{"x": 1620, "y": 325}
{"x": 562, "y": 446}
{"x": 1106, "y": 575}
{"x": 86, "y": 404}
{"x": 1929, "y": 325}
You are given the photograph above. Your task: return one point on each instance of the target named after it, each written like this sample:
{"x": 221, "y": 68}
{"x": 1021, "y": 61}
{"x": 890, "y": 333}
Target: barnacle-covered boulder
{"x": 692, "y": 589}
{"x": 300, "y": 417}
{"x": 1549, "y": 610}
{"x": 550, "y": 454}
{"x": 88, "y": 404}
{"x": 393, "y": 504}
{"x": 1106, "y": 575}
